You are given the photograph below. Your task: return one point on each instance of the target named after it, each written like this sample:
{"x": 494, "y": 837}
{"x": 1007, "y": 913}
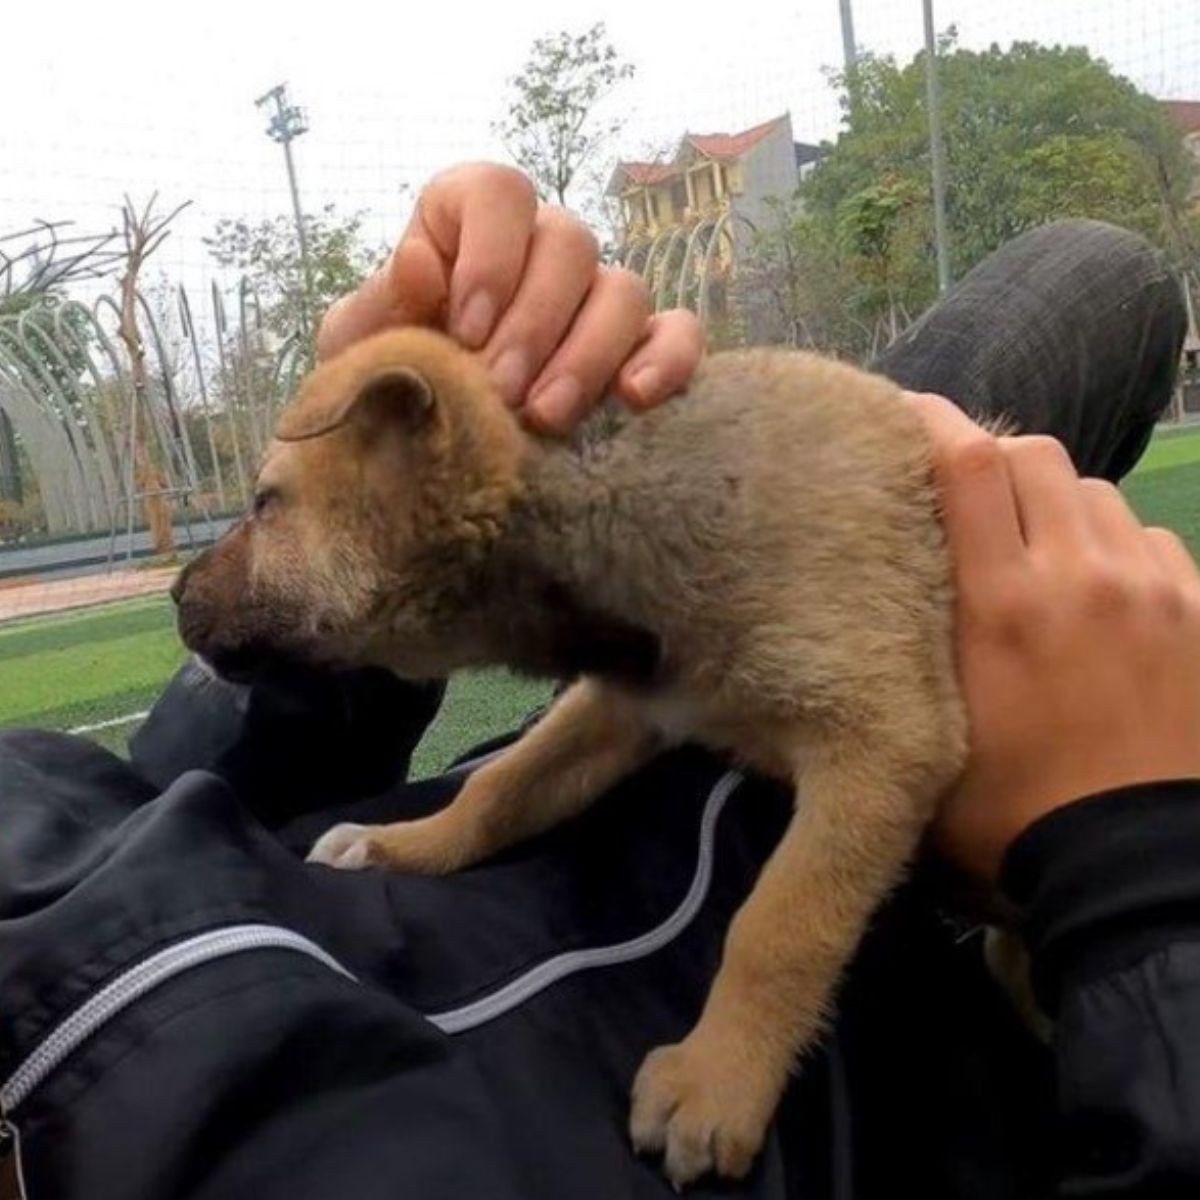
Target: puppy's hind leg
{"x": 590, "y": 738}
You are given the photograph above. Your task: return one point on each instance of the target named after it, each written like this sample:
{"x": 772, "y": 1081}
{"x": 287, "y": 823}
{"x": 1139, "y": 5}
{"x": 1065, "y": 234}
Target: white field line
{"x": 112, "y": 724}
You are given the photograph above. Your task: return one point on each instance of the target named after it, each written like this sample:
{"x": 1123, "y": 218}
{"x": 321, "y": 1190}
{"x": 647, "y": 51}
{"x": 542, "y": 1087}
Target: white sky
{"x": 97, "y": 99}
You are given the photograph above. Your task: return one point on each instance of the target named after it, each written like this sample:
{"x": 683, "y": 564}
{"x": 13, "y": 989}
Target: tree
{"x": 1032, "y": 134}
{"x": 553, "y": 129}
{"x": 268, "y": 255}
{"x": 881, "y": 230}
{"x": 790, "y": 282}
{"x": 1010, "y": 117}
{"x": 144, "y": 232}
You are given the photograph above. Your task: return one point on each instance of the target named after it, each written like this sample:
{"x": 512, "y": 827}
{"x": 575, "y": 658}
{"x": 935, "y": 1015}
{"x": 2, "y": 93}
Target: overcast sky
{"x": 97, "y": 99}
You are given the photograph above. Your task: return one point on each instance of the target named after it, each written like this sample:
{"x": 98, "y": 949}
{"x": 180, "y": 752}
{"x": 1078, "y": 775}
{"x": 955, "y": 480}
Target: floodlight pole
{"x": 937, "y": 153}
{"x": 288, "y": 122}
{"x": 849, "y": 46}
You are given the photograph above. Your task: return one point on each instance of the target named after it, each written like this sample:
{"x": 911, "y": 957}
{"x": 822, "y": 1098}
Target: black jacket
{"x": 188, "y": 1010}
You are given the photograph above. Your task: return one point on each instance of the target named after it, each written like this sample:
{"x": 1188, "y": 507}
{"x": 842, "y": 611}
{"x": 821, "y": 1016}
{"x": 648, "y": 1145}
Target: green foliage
{"x": 552, "y": 129}
{"x": 1032, "y": 134}
{"x": 797, "y": 287}
{"x": 1101, "y": 175}
{"x": 268, "y": 255}
{"x": 1018, "y": 124}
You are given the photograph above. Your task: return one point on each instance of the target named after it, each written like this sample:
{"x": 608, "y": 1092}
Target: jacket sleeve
{"x": 289, "y": 744}
{"x": 1110, "y": 890}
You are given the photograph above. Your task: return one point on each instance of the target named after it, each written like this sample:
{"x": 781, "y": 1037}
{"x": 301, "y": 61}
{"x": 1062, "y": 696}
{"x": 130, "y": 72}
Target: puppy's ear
{"x": 396, "y": 396}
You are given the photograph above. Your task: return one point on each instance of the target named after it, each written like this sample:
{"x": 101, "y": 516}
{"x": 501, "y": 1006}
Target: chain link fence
{"x": 774, "y": 175}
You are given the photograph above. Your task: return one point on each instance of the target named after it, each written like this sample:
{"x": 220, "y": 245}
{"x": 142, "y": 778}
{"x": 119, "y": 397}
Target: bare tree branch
{"x": 143, "y": 235}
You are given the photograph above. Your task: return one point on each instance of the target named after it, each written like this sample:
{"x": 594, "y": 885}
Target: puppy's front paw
{"x": 702, "y": 1109}
{"x": 427, "y": 847}
{"x": 347, "y": 847}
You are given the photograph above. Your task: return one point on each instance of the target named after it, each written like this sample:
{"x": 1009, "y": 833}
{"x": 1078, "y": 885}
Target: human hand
{"x": 523, "y": 284}
{"x": 1078, "y": 636}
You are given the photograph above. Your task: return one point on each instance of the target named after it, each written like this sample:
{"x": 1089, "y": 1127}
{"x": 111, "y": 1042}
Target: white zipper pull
{"x": 12, "y": 1173}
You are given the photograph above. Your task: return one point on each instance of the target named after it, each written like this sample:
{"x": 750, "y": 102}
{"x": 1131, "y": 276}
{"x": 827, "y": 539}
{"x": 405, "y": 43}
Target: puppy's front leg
{"x": 707, "y": 1102}
{"x": 589, "y": 739}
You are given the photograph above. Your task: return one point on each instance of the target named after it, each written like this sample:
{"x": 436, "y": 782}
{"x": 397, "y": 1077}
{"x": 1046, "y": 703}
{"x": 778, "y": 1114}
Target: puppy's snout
{"x": 203, "y": 609}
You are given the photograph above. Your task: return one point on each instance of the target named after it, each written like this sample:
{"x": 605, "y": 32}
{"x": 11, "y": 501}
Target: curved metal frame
{"x": 66, "y": 388}
{"x": 685, "y": 280}
{"x": 664, "y": 269}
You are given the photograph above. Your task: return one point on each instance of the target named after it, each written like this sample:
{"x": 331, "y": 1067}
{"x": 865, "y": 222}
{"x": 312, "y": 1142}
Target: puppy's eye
{"x": 263, "y": 499}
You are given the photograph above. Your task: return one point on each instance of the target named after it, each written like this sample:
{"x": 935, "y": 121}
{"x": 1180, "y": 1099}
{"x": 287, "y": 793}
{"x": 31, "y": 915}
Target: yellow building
{"x": 687, "y": 220}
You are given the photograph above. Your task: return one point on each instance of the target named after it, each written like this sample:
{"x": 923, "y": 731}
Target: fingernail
{"x": 557, "y": 402}
{"x": 646, "y": 385}
{"x": 475, "y": 320}
{"x": 510, "y": 374}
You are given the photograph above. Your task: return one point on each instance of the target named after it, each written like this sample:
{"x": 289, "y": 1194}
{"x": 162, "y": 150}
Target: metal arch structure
{"x": 679, "y": 265}
{"x": 648, "y": 267}
{"x": 67, "y": 393}
{"x": 635, "y": 256}
{"x": 687, "y": 270}
{"x": 660, "y": 285}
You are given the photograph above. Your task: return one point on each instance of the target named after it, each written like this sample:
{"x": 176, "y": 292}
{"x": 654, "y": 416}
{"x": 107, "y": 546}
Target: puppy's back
{"x": 776, "y": 469}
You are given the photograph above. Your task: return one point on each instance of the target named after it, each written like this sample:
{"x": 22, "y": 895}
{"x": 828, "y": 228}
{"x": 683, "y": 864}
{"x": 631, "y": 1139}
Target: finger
{"x": 663, "y": 365}
{"x": 481, "y": 220}
{"x": 1112, "y": 520}
{"x": 411, "y": 288}
{"x": 979, "y": 510}
{"x": 1172, "y": 552}
{"x": 609, "y": 325}
{"x": 457, "y": 265}
{"x": 559, "y": 272}
{"x": 1050, "y": 502}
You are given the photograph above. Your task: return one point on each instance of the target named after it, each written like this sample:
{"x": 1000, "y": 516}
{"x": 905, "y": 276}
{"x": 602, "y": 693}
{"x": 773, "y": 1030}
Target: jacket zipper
{"x": 144, "y": 977}
{"x": 522, "y": 989}
{"x": 127, "y": 988}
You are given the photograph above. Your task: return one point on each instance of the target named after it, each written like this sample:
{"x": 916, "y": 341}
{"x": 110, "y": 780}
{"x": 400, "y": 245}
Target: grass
{"x": 82, "y": 668}
{"x": 477, "y": 707}
{"x": 1171, "y": 448}
{"x": 73, "y": 669}
{"x": 1165, "y": 487}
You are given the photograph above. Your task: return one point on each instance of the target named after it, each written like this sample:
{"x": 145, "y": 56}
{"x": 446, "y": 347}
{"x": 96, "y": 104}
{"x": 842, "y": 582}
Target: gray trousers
{"x": 1074, "y": 329}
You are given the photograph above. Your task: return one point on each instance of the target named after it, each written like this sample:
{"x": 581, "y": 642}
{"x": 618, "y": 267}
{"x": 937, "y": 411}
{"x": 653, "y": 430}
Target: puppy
{"x": 757, "y": 566}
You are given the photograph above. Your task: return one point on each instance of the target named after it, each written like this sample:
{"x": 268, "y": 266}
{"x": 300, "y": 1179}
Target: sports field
{"x": 103, "y": 666}
{"x": 97, "y": 670}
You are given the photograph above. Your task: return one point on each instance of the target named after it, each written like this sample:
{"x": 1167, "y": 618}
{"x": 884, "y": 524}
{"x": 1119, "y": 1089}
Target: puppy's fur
{"x": 757, "y": 565}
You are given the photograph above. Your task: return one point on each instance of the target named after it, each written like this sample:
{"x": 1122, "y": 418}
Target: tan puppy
{"x": 757, "y": 566}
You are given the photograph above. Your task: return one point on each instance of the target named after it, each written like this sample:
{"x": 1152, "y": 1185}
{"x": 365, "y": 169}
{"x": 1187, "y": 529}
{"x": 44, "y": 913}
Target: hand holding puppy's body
{"x": 1078, "y": 637}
